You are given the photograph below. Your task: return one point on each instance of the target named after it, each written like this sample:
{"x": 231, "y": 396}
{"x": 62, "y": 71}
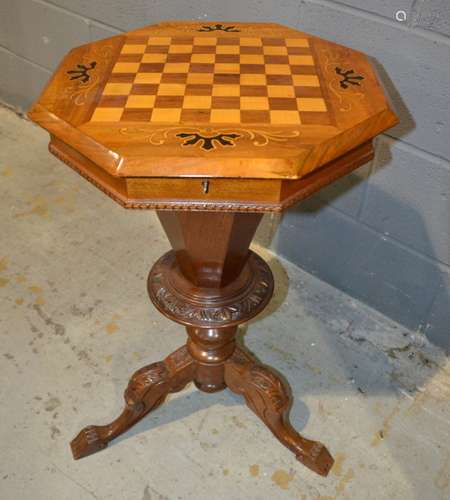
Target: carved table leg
{"x": 266, "y": 395}
{"x": 146, "y": 390}
{"x": 210, "y": 282}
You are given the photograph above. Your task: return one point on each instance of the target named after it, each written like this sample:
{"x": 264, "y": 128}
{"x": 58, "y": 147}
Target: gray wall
{"x": 381, "y": 234}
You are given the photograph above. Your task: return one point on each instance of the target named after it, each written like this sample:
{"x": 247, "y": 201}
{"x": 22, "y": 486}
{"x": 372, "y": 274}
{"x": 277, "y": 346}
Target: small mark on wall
{"x": 339, "y": 459}
{"x": 3, "y": 282}
{"x": 385, "y": 428}
{"x": 38, "y": 292}
{"x": 7, "y": 172}
{"x": 254, "y": 470}
{"x": 51, "y": 404}
{"x": 347, "y": 478}
{"x": 442, "y": 479}
{"x": 3, "y": 264}
{"x": 111, "y": 328}
{"x": 54, "y": 431}
{"x": 146, "y": 495}
{"x": 282, "y": 478}
{"x": 238, "y": 423}
{"x": 39, "y": 208}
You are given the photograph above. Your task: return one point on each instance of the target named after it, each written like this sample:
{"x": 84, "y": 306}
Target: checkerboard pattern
{"x": 214, "y": 80}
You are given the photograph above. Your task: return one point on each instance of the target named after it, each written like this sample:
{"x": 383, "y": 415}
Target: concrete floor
{"x": 76, "y": 322}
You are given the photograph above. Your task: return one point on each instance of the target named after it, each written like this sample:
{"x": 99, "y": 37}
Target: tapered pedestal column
{"x": 210, "y": 282}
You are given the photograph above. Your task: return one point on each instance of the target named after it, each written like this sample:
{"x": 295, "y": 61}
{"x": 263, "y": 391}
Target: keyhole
{"x": 205, "y": 186}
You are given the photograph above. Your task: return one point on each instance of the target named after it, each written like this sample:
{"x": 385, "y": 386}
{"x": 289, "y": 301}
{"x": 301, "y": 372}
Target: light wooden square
{"x": 225, "y": 116}
{"x": 302, "y": 60}
{"x": 176, "y": 67}
{"x": 171, "y": 115}
{"x": 311, "y": 104}
{"x": 154, "y": 58}
{"x": 196, "y": 102}
{"x": 133, "y": 49}
{"x": 171, "y": 89}
{"x": 227, "y": 49}
{"x": 203, "y": 58}
{"x": 251, "y": 59}
{"x": 255, "y": 103}
{"x": 297, "y": 42}
{"x": 227, "y": 68}
{"x": 250, "y": 42}
{"x": 274, "y": 50}
{"x": 226, "y": 90}
{"x": 210, "y": 40}
{"x": 159, "y": 40}
{"x": 306, "y": 80}
{"x": 278, "y": 69}
{"x": 280, "y": 91}
{"x": 140, "y": 101}
{"x": 107, "y": 115}
{"x": 126, "y": 67}
{"x": 283, "y": 117}
{"x": 200, "y": 78}
{"x": 180, "y": 49}
{"x": 147, "y": 78}
{"x": 117, "y": 89}
{"x": 253, "y": 79}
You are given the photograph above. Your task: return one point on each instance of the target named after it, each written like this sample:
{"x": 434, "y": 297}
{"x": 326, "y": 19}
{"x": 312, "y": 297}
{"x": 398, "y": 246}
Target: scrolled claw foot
{"x": 267, "y": 396}
{"x": 147, "y": 389}
{"x": 87, "y": 442}
{"x": 318, "y": 459}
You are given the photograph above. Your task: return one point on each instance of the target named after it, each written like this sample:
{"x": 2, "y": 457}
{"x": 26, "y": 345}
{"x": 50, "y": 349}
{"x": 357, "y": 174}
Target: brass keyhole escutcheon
{"x": 205, "y": 186}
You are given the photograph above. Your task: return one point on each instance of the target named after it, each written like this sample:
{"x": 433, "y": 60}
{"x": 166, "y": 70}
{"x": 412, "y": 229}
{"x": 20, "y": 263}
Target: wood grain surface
{"x": 210, "y": 282}
{"x": 185, "y": 99}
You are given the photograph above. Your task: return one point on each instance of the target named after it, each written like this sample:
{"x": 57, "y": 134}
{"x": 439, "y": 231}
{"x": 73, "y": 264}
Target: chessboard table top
{"x": 193, "y": 99}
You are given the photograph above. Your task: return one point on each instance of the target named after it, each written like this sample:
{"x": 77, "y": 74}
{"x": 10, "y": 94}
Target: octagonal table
{"x": 212, "y": 125}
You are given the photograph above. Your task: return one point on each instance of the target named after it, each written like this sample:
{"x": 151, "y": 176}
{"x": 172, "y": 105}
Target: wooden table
{"x": 212, "y": 125}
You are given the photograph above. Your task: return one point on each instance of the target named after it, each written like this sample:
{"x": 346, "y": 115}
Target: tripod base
{"x": 264, "y": 393}
{"x": 210, "y": 283}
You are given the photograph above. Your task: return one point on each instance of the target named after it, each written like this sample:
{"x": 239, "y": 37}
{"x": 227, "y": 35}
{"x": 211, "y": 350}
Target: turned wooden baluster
{"x": 211, "y": 347}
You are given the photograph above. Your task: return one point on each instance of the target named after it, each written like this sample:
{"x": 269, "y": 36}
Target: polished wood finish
{"x": 212, "y": 125}
{"x": 169, "y": 100}
{"x": 221, "y": 194}
{"x": 210, "y": 282}
{"x": 146, "y": 390}
{"x": 266, "y": 395}
{"x": 211, "y": 249}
